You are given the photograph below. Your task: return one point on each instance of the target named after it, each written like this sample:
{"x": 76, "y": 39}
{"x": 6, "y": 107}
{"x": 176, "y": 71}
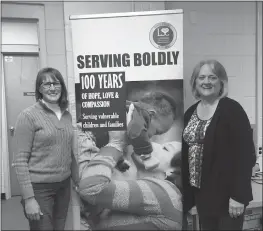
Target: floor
{"x": 12, "y": 216}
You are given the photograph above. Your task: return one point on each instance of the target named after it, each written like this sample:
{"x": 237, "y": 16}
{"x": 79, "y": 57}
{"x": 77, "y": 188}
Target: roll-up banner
{"x": 126, "y": 58}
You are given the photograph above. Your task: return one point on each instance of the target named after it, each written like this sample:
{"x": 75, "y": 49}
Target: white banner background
{"x": 127, "y": 33}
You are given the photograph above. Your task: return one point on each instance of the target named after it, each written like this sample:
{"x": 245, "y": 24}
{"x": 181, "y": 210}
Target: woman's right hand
{"x": 32, "y": 209}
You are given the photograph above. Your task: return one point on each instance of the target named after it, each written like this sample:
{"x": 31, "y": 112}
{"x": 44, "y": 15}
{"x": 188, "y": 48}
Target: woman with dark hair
{"x": 44, "y": 157}
{"x": 218, "y": 152}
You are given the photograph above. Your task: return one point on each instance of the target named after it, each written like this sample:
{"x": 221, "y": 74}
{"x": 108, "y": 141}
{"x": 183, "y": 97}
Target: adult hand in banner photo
{"x": 118, "y": 138}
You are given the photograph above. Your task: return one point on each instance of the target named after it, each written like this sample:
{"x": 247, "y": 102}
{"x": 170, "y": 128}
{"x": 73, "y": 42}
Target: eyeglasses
{"x": 210, "y": 77}
{"x": 47, "y": 85}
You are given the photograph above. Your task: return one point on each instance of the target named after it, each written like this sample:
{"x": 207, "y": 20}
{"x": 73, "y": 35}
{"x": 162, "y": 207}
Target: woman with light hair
{"x": 217, "y": 152}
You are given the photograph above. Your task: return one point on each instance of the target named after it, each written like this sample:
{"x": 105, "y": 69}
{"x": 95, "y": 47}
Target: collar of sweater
{"x": 45, "y": 107}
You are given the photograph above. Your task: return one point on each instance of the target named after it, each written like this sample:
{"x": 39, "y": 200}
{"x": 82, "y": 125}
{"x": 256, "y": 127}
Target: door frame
{"x": 259, "y": 63}
{"x": 31, "y": 11}
{"x": 4, "y": 146}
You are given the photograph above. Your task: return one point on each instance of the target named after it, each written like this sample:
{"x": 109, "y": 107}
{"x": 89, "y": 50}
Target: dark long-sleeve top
{"x": 228, "y": 158}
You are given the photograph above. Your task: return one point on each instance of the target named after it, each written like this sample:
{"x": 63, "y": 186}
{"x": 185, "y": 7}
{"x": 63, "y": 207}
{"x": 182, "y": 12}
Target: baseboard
{"x": 2, "y": 196}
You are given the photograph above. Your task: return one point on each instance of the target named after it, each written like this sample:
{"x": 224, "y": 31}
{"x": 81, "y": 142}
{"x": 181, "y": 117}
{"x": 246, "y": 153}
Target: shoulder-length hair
{"x": 55, "y": 75}
{"x": 218, "y": 69}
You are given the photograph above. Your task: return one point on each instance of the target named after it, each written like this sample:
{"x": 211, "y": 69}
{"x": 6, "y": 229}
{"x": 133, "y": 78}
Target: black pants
{"x": 53, "y": 199}
{"x": 222, "y": 223}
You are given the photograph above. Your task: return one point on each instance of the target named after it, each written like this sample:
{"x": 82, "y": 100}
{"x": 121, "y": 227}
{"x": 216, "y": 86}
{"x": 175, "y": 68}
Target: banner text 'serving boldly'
{"x": 106, "y": 70}
{"x": 123, "y": 60}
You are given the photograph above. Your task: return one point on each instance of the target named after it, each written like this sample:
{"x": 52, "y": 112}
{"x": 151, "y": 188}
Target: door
{"x": 20, "y": 73}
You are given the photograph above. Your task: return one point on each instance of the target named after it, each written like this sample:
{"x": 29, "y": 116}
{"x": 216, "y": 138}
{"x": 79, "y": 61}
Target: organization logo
{"x": 163, "y": 35}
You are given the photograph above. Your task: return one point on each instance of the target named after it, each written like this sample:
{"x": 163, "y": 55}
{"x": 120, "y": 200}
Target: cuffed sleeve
{"x": 138, "y": 134}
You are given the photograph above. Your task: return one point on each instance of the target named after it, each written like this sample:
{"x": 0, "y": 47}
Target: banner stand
{"x": 125, "y": 58}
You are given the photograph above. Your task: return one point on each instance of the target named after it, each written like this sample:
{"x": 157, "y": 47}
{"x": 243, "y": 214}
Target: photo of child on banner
{"x": 153, "y": 133}
{"x": 158, "y": 109}
{"x": 155, "y": 111}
